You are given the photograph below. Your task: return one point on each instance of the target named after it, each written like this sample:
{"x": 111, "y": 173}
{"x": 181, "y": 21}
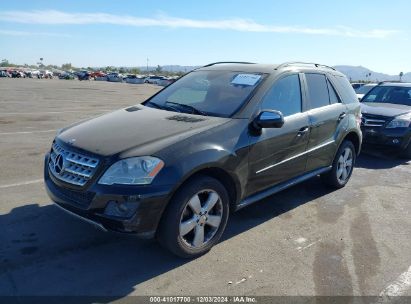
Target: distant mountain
{"x": 356, "y": 73}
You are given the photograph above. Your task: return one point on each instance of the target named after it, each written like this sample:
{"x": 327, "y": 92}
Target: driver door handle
{"x": 342, "y": 115}
{"x": 303, "y": 130}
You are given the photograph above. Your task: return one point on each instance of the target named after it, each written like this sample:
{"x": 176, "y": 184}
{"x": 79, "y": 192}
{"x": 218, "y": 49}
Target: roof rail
{"x": 388, "y": 81}
{"x": 223, "y": 62}
{"x": 317, "y": 65}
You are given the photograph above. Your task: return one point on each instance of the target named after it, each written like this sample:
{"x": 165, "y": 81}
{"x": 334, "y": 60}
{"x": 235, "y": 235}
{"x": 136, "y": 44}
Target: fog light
{"x": 395, "y": 141}
{"x": 120, "y": 209}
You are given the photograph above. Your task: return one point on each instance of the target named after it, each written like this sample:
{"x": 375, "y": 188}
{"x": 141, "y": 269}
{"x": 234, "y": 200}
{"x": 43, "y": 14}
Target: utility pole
{"x": 147, "y": 65}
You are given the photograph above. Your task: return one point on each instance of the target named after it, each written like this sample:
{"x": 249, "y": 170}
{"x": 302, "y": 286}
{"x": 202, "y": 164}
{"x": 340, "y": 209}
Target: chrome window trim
{"x": 297, "y": 155}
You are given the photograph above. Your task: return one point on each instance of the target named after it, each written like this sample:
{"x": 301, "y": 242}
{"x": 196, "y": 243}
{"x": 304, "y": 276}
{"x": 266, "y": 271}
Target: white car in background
{"x": 114, "y": 77}
{"x": 166, "y": 81}
{"x": 135, "y": 79}
{"x": 35, "y": 73}
{"x": 154, "y": 79}
{"x": 364, "y": 90}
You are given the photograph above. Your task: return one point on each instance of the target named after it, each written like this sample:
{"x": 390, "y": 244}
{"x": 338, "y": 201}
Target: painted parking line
{"x": 27, "y": 132}
{"x": 399, "y": 287}
{"x": 35, "y": 181}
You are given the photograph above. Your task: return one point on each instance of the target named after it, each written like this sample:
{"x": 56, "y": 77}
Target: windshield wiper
{"x": 193, "y": 109}
{"x": 156, "y": 105}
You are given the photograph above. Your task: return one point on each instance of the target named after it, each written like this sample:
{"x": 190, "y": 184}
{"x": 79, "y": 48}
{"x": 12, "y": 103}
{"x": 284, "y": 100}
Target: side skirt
{"x": 277, "y": 188}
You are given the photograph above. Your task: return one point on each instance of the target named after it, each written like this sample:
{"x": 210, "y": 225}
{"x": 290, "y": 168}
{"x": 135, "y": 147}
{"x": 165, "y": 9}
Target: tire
{"x": 342, "y": 166}
{"x": 184, "y": 221}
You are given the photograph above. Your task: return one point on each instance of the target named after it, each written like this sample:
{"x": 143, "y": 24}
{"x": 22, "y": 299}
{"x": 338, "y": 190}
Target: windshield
{"x": 365, "y": 89}
{"x": 214, "y": 93}
{"x": 390, "y": 94}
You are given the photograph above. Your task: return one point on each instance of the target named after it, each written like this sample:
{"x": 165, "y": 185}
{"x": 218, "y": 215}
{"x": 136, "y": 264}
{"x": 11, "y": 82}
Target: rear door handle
{"x": 303, "y": 130}
{"x": 342, "y": 115}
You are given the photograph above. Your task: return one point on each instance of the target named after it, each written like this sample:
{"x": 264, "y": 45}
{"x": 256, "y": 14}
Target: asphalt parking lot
{"x": 307, "y": 240}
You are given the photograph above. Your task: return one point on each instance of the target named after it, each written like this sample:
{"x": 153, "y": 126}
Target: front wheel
{"x": 342, "y": 166}
{"x": 196, "y": 218}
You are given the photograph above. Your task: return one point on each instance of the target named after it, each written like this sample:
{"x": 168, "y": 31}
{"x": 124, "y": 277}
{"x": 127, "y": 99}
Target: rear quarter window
{"x": 344, "y": 89}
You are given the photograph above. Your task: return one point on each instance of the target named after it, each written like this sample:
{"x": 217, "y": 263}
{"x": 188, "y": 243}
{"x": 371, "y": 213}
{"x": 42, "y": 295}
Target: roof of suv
{"x": 245, "y": 67}
{"x": 397, "y": 84}
{"x": 266, "y": 68}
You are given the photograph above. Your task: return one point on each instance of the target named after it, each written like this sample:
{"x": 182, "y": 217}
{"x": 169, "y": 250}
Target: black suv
{"x": 220, "y": 138}
{"x": 386, "y": 117}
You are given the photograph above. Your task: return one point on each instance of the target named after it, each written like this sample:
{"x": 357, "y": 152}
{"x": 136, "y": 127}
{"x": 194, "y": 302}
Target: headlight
{"x": 132, "y": 171}
{"x": 402, "y": 121}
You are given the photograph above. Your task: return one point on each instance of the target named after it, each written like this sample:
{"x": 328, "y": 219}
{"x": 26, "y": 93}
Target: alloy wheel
{"x": 201, "y": 218}
{"x": 345, "y": 165}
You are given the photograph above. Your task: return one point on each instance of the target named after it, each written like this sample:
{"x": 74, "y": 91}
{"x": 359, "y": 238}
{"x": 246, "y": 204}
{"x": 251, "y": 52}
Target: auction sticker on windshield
{"x": 246, "y": 79}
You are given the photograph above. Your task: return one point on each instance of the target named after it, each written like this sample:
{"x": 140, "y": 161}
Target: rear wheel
{"x": 196, "y": 218}
{"x": 342, "y": 166}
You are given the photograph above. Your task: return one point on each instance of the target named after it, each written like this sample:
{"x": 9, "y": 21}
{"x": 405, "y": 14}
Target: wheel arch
{"x": 224, "y": 178}
{"x": 355, "y": 139}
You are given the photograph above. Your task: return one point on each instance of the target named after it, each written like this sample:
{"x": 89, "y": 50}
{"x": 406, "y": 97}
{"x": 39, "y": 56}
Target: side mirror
{"x": 269, "y": 119}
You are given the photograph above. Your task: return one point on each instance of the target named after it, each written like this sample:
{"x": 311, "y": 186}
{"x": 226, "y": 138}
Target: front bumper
{"x": 91, "y": 204}
{"x": 397, "y": 139}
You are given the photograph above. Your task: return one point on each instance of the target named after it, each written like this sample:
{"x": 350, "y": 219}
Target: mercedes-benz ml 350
{"x": 218, "y": 139}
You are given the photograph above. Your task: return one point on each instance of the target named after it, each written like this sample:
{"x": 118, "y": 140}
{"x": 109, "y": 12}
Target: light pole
{"x": 40, "y": 63}
{"x": 147, "y": 65}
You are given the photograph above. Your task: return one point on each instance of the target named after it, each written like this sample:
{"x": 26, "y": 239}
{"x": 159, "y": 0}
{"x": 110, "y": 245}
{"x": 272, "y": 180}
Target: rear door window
{"x": 317, "y": 90}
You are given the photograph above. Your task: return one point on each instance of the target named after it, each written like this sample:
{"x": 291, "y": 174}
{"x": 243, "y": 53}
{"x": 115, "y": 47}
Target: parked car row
{"x": 117, "y": 77}
{"x": 88, "y": 75}
{"x": 19, "y": 73}
{"x": 139, "y": 79}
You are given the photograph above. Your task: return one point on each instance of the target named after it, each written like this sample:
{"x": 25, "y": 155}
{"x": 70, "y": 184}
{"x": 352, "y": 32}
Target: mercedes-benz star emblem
{"x": 59, "y": 164}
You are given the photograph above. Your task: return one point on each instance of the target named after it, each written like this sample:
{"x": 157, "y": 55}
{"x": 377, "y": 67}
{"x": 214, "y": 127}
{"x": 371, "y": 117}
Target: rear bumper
{"x": 397, "y": 139}
{"x": 146, "y": 204}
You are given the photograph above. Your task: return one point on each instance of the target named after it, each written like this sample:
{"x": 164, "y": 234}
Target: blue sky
{"x": 373, "y": 33}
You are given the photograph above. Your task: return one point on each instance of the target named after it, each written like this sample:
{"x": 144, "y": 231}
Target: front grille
{"x": 368, "y": 120}
{"x": 71, "y": 167}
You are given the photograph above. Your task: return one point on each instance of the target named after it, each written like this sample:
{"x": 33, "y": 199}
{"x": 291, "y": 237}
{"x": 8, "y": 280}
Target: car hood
{"x": 141, "y": 129}
{"x": 384, "y": 109}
